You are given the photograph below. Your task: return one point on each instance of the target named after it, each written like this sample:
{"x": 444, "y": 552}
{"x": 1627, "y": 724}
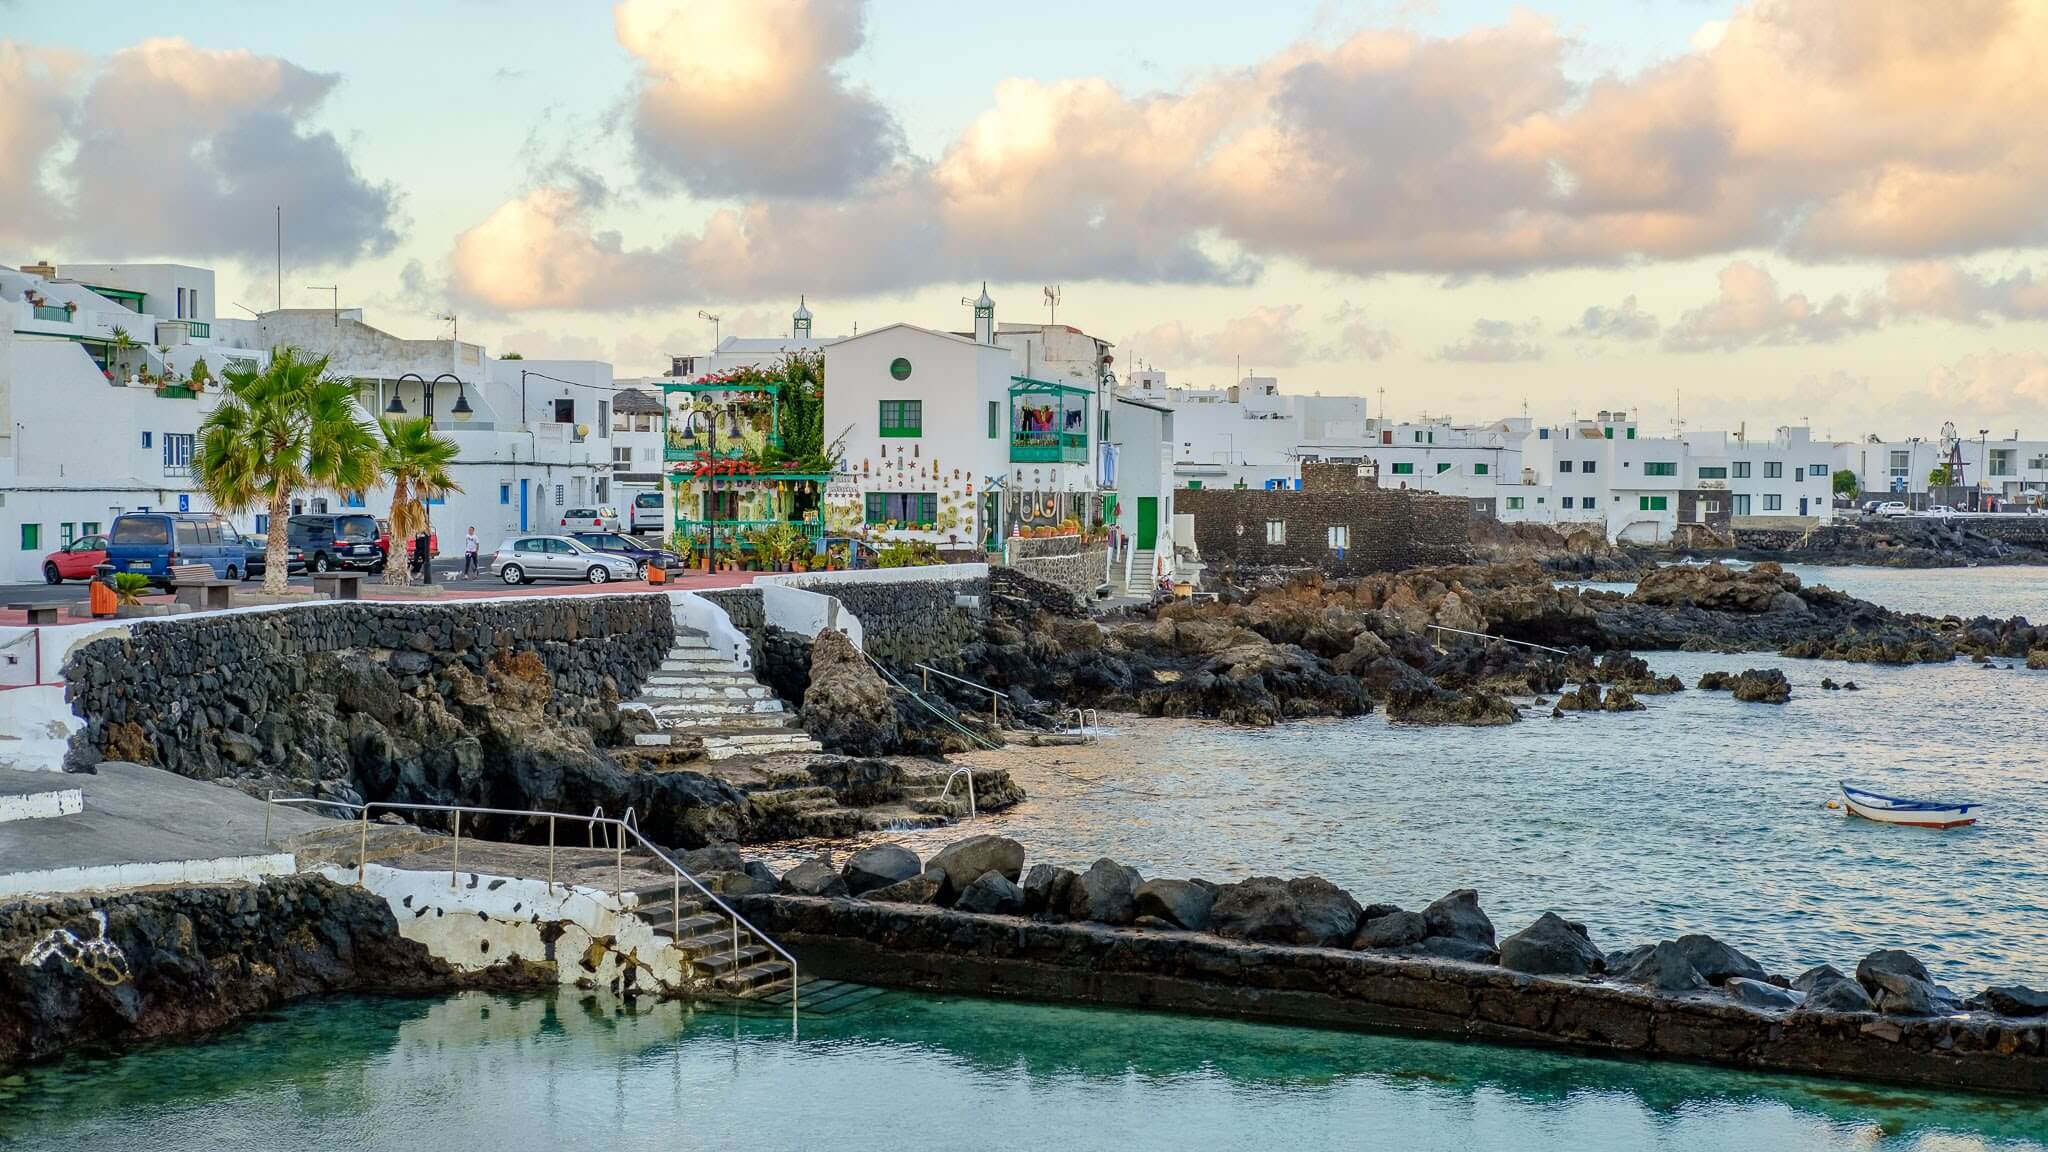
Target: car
{"x": 384, "y": 538}
{"x": 152, "y": 543}
{"x": 259, "y": 557}
{"x": 647, "y": 513}
{"x": 333, "y": 541}
{"x": 78, "y": 560}
{"x": 599, "y": 518}
{"x": 524, "y": 559}
{"x": 641, "y": 553}
{"x": 1892, "y": 508}
{"x": 1939, "y": 510}
{"x": 1869, "y": 507}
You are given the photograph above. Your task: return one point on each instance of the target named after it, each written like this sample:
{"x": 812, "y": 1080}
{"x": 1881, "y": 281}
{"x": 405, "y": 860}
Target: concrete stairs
{"x": 1142, "y": 580}
{"x": 701, "y": 693}
{"x": 738, "y": 965}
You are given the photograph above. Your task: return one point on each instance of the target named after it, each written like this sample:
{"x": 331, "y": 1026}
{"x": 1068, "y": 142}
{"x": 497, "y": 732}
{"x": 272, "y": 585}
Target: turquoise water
{"x": 908, "y": 1073}
{"x": 1996, "y": 592}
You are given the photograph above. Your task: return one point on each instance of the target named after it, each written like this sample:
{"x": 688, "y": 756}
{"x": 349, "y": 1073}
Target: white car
{"x": 524, "y": 559}
{"x": 1893, "y": 508}
{"x": 647, "y": 513}
{"x": 1939, "y": 510}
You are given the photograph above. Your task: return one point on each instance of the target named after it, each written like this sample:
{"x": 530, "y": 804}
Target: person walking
{"x": 469, "y": 551}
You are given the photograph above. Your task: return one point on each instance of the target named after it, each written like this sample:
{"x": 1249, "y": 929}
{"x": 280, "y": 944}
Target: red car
{"x": 384, "y": 539}
{"x": 76, "y": 560}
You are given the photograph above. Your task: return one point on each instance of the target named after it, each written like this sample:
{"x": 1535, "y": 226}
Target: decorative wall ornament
{"x": 99, "y": 958}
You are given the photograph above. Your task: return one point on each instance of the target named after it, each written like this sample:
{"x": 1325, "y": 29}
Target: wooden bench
{"x": 38, "y": 614}
{"x": 338, "y": 585}
{"x": 197, "y": 587}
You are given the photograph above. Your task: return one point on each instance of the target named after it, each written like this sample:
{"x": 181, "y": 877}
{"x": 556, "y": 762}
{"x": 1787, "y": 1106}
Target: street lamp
{"x": 461, "y": 411}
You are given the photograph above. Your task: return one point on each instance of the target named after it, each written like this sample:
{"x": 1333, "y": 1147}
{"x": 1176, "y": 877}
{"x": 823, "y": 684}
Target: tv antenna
{"x": 1052, "y": 303}
{"x": 454, "y": 326}
{"x": 715, "y": 338}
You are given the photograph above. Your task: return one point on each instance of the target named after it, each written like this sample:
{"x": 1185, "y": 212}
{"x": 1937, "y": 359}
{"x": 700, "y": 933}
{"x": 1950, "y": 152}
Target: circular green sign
{"x": 900, "y": 368}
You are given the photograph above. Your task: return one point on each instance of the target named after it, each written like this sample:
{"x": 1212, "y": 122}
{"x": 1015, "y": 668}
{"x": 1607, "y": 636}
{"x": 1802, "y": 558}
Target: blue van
{"x": 151, "y": 542}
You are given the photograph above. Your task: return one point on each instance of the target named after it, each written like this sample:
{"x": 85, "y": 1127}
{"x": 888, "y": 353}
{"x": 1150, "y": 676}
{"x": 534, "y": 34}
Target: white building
{"x": 2010, "y": 471}
{"x": 99, "y": 407}
{"x": 1789, "y": 474}
{"x": 1142, "y": 435}
{"x": 1251, "y": 433}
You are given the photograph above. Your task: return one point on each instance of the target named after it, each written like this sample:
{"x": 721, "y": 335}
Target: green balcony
{"x": 45, "y": 312}
{"x": 1048, "y": 448}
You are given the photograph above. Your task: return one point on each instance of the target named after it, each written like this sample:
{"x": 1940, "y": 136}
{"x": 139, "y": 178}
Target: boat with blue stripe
{"x": 1912, "y": 813}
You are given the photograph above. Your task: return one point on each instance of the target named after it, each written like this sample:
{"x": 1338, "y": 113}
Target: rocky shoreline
{"x": 974, "y": 919}
{"x": 107, "y": 972}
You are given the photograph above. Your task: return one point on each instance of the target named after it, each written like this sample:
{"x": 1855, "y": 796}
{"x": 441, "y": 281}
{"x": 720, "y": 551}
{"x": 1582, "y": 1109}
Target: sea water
{"x": 906, "y": 1073}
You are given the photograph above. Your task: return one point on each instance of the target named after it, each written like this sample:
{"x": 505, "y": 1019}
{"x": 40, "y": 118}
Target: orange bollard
{"x": 102, "y": 599}
{"x": 656, "y": 574}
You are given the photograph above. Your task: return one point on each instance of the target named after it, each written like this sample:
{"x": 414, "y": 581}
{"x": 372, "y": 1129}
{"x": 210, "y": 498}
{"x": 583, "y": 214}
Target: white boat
{"x": 1913, "y": 813}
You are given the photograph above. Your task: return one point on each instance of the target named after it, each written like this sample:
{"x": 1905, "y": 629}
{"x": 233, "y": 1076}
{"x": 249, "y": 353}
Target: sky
{"x": 1731, "y": 215}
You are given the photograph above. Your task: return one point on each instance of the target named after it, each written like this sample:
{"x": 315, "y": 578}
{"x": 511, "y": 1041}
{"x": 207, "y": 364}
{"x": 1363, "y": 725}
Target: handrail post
{"x": 363, "y": 850}
{"x": 995, "y": 718}
{"x": 675, "y": 904}
{"x": 619, "y": 883}
{"x": 971, "y": 813}
{"x": 926, "y": 673}
{"x": 269, "y": 800}
{"x": 551, "y": 854}
{"x": 455, "y": 863}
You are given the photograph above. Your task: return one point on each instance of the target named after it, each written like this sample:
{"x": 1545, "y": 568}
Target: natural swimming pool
{"x": 908, "y": 1072}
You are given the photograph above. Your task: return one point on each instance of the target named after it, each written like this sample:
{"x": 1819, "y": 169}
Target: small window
{"x": 1652, "y": 503}
{"x": 1660, "y": 468}
{"x": 504, "y": 493}
{"x": 1276, "y": 531}
{"x": 1543, "y": 433}
{"x": 1713, "y": 472}
{"x": 1340, "y": 537}
{"x": 1773, "y": 502}
{"x": 1404, "y": 468}
{"x": 1589, "y": 467}
{"x": 1514, "y": 503}
{"x": 1564, "y": 465}
{"x": 92, "y": 528}
{"x": 1418, "y": 437}
{"x": 1774, "y": 469}
{"x": 1631, "y": 433}
{"x": 995, "y": 419}
{"x": 65, "y": 534}
{"x": 31, "y": 537}
{"x": 1609, "y": 432}
{"x": 1442, "y": 466}
{"x": 908, "y": 509}
{"x": 565, "y": 411}
{"x": 1565, "y": 501}
{"x": 1741, "y": 469}
{"x": 558, "y": 495}
{"x": 900, "y": 368}
{"x": 148, "y": 439}
{"x": 902, "y": 417}
{"x": 1479, "y": 469}
{"x": 1816, "y": 469}
{"x": 1709, "y": 507}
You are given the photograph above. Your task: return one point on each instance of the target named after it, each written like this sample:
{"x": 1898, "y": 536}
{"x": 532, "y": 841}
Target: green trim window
{"x": 910, "y": 509}
{"x": 1610, "y": 433}
{"x": 899, "y": 368}
{"x": 1652, "y": 503}
{"x": 1194, "y": 485}
{"x": 1514, "y": 503}
{"x": 1741, "y": 469}
{"x": 902, "y": 417}
{"x": 995, "y": 419}
{"x": 1713, "y": 471}
{"x": 1404, "y": 468}
{"x": 1631, "y": 433}
{"x": 1774, "y": 469}
{"x": 1442, "y": 466}
{"x": 31, "y": 537}
{"x": 1660, "y": 468}
{"x": 1479, "y": 469}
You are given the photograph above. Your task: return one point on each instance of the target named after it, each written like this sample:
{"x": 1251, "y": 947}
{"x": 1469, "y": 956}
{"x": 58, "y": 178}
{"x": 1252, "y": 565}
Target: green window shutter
{"x": 1406, "y": 468}
{"x": 1479, "y": 469}
{"x": 877, "y": 507}
{"x": 1631, "y": 433}
{"x": 31, "y": 537}
{"x": 995, "y": 419}
{"x": 1610, "y": 433}
{"x": 928, "y": 508}
{"x": 1442, "y": 468}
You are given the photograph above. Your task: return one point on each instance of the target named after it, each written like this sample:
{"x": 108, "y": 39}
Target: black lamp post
{"x": 461, "y": 411}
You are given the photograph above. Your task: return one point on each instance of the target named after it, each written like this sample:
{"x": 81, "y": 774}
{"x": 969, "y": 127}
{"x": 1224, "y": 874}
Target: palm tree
{"x": 277, "y": 430}
{"x": 416, "y": 461}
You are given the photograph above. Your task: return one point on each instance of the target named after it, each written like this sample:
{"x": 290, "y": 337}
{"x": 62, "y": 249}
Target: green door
{"x": 1148, "y": 521}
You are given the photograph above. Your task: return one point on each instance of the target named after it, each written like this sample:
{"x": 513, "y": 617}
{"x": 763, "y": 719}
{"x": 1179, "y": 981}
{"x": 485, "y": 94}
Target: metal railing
{"x": 1082, "y": 722}
{"x": 1502, "y": 639}
{"x": 948, "y": 789}
{"x": 995, "y": 698}
{"x": 625, "y": 826}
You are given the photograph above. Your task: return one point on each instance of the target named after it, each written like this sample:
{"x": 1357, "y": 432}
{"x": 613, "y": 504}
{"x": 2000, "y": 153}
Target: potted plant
{"x": 129, "y": 587}
{"x": 71, "y": 307}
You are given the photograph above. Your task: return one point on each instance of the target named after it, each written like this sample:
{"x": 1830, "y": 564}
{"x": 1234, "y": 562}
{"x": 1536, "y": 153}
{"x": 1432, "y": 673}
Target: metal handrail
{"x": 956, "y": 679}
{"x": 1502, "y": 639}
{"x": 626, "y": 824}
{"x": 948, "y": 789}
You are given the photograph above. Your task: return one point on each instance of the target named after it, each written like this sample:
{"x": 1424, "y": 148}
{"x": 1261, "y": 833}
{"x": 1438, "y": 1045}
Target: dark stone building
{"x": 1339, "y": 521}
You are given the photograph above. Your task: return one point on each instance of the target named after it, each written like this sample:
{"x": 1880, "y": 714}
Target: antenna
{"x": 249, "y": 310}
{"x": 454, "y": 326}
{"x": 280, "y": 257}
{"x": 335, "y": 303}
{"x": 1052, "y": 303}
{"x": 716, "y": 340}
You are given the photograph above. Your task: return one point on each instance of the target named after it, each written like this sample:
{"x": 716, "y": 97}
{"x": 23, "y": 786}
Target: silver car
{"x": 524, "y": 559}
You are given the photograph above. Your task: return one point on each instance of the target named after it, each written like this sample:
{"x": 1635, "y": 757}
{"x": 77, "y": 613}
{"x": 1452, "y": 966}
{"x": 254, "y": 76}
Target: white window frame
{"x": 1340, "y": 537}
{"x": 1276, "y": 532}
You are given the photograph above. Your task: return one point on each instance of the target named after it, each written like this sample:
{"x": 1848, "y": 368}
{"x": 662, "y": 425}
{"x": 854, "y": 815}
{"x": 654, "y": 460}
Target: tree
{"x": 416, "y": 461}
{"x": 1940, "y": 477}
{"x": 1846, "y": 483}
{"x": 279, "y": 429}
{"x": 123, "y": 345}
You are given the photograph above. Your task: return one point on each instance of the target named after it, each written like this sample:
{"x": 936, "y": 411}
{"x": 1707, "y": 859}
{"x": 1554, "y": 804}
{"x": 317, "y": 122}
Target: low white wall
{"x": 479, "y": 920}
{"x": 807, "y": 613}
{"x": 42, "y": 805}
{"x": 35, "y": 728}
{"x": 107, "y": 877}
{"x": 694, "y": 611}
{"x": 877, "y": 575}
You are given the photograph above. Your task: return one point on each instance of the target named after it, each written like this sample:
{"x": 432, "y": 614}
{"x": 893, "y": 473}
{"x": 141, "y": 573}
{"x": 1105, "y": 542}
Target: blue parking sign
{"x": 184, "y": 502}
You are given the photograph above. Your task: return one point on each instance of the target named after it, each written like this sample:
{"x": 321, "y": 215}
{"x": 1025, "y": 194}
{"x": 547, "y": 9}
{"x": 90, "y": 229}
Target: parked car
{"x": 1869, "y": 507}
{"x": 647, "y": 513}
{"x": 524, "y": 559}
{"x": 259, "y": 557}
{"x": 152, "y": 542}
{"x": 1893, "y": 508}
{"x": 337, "y": 540}
{"x": 384, "y": 538}
{"x": 601, "y": 518}
{"x": 642, "y": 554}
{"x": 76, "y": 560}
{"x": 1939, "y": 510}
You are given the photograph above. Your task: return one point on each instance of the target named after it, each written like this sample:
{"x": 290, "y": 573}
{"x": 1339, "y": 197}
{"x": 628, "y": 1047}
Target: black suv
{"x": 633, "y": 549}
{"x": 337, "y": 540}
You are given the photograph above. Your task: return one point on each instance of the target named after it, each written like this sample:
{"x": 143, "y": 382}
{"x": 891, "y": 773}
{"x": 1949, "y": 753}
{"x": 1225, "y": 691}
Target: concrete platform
{"x": 37, "y": 796}
{"x": 142, "y": 826}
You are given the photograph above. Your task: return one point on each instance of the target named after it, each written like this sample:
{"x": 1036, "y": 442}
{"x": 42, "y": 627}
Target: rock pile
{"x": 1756, "y": 685}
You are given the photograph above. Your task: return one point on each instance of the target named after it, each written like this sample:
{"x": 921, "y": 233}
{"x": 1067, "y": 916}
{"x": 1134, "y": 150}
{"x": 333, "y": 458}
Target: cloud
{"x": 1750, "y": 309}
{"x": 1992, "y": 385}
{"x": 744, "y": 97}
{"x": 1495, "y": 342}
{"x": 1948, "y": 291}
{"x": 1357, "y": 336}
{"x": 1626, "y": 322}
{"x": 1267, "y": 337}
{"x": 182, "y": 150}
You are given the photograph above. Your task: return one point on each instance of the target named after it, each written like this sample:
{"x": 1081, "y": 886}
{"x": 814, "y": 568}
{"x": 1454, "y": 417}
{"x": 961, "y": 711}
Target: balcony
{"x": 45, "y": 312}
{"x": 1048, "y": 447}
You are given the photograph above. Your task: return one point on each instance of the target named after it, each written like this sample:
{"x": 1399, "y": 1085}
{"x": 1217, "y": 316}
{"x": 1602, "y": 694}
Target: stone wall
{"x": 907, "y": 621}
{"x": 1388, "y": 529}
{"x": 205, "y": 695}
{"x": 1066, "y": 561}
{"x": 941, "y": 950}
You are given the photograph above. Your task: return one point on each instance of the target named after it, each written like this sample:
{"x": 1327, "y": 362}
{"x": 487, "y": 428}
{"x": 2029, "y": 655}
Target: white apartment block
{"x": 2012, "y": 472}
{"x": 98, "y": 409}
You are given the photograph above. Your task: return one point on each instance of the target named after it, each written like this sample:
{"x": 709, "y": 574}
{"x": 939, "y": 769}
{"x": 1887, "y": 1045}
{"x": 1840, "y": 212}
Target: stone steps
{"x": 705, "y": 679}
{"x": 755, "y": 979}
{"x": 703, "y": 690}
{"x": 725, "y": 747}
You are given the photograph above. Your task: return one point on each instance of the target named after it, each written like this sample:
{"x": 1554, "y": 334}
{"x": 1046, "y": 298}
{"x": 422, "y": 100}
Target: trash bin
{"x": 100, "y": 595}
